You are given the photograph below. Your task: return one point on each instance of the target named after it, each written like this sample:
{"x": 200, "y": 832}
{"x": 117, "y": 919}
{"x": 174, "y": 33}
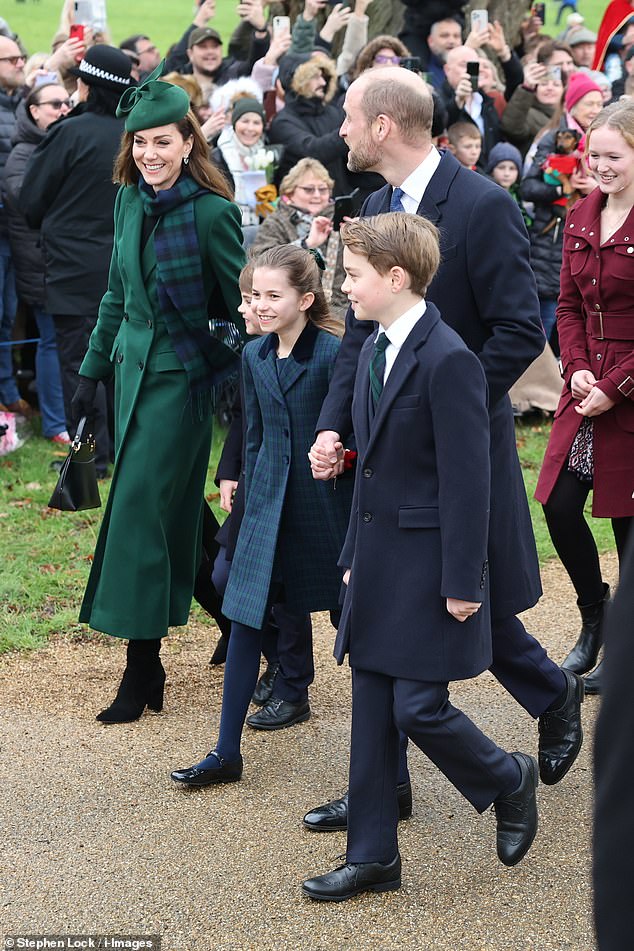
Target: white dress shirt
{"x": 415, "y": 184}
{"x": 398, "y": 333}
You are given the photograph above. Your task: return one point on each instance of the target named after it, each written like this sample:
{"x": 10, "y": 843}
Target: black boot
{"x": 583, "y": 655}
{"x": 219, "y": 655}
{"x": 211, "y": 601}
{"x": 592, "y": 682}
{"x": 142, "y": 684}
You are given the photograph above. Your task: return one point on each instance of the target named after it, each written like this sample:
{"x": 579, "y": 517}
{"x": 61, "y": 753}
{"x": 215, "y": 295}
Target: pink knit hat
{"x": 578, "y": 85}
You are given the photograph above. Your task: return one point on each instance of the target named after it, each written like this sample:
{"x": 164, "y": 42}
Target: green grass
{"x": 36, "y": 20}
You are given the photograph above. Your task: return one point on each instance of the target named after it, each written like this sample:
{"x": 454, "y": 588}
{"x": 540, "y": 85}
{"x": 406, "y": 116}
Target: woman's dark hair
{"x": 304, "y": 276}
{"x": 102, "y": 101}
{"x": 33, "y": 98}
{"x": 200, "y": 167}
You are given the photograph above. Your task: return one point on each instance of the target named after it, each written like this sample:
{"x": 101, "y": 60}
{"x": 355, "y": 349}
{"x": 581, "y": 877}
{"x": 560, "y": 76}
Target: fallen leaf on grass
{"x": 21, "y": 503}
{"x": 33, "y": 486}
{"x": 49, "y": 569}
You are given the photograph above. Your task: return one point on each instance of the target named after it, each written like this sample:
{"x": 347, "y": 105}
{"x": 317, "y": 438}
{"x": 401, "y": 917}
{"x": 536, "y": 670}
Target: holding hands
{"x": 326, "y": 455}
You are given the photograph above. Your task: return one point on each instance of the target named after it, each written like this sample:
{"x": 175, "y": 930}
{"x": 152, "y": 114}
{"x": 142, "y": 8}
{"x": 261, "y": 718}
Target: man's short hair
{"x": 463, "y": 130}
{"x": 411, "y": 110}
{"x": 131, "y": 41}
{"x": 397, "y": 239}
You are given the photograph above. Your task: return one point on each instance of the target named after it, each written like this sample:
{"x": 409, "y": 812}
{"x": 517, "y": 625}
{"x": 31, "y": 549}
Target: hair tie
{"x": 319, "y": 261}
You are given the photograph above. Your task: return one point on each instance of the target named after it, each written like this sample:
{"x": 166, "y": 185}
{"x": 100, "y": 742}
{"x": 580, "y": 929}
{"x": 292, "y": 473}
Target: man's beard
{"x": 366, "y": 157}
{"x": 209, "y": 73}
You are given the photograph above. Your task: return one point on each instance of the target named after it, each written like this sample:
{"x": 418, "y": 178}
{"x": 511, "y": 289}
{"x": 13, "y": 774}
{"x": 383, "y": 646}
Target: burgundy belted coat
{"x": 595, "y": 320}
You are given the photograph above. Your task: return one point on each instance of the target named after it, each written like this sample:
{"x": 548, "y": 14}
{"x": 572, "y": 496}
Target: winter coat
{"x": 8, "y": 108}
{"x": 309, "y": 126}
{"x": 293, "y": 525}
{"x": 596, "y": 333}
{"x": 524, "y": 117}
{"x": 148, "y": 551}
{"x": 288, "y": 225}
{"x": 68, "y": 192}
{"x": 25, "y": 242}
{"x": 545, "y": 248}
{"x": 492, "y": 133}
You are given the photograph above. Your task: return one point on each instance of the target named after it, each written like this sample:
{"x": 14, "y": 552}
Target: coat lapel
{"x": 137, "y": 266}
{"x": 361, "y": 399}
{"x": 438, "y": 188}
{"x": 268, "y": 367}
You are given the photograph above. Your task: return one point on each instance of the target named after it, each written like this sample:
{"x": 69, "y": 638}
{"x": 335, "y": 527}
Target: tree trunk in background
{"x": 510, "y": 13}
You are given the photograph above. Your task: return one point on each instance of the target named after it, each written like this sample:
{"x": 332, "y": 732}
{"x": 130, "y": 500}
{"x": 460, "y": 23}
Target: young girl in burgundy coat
{"x": 592, "y": 441}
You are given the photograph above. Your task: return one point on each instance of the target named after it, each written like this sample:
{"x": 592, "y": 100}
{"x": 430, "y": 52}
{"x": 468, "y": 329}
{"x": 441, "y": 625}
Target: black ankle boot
{"x": 219, "y": 655}
{"x": 583, "y": 655}
{"x": 592, "y": 682}
{"x": 142, "y": 684}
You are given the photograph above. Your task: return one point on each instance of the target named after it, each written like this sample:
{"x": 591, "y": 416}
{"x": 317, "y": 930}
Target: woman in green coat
{"x": 176, "y": 260}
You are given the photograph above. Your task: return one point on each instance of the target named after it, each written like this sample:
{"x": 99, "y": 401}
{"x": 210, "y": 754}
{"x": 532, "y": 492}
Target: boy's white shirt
{"x": 417, "y": 181}
{"x": 398, "y": 332}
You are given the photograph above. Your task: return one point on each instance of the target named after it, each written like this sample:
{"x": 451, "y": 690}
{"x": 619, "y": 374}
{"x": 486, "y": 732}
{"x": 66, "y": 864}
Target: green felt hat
{"x": 153, "y": 103}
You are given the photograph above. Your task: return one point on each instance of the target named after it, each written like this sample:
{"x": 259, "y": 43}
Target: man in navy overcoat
{"x": 485, "y": 290}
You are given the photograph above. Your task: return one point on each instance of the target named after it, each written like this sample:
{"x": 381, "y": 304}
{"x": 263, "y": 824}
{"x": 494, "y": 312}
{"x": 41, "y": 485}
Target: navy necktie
{"x": 377, "y": 368}
{"x": 395, "y": 202}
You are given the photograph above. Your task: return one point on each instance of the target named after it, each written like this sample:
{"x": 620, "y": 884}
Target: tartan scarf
{"x": 180, "y": 287}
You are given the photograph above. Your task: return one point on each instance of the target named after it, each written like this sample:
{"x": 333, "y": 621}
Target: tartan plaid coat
{"x": 294, "y": 526}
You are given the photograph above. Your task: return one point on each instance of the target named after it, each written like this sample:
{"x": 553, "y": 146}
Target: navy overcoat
{"x": 485, "y": 290}
{"x": 293, "y": 525}
{"x": 422, "y": 496}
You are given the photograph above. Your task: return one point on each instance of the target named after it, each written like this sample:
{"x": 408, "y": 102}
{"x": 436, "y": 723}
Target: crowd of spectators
{"x": 270, "y": 102}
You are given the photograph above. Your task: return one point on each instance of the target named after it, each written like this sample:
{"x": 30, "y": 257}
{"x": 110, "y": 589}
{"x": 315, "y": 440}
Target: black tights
{"x": 572, "y": 538}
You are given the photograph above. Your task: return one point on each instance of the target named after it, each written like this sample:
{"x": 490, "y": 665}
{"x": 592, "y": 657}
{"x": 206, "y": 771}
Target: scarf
{"x": 181, "y": 291}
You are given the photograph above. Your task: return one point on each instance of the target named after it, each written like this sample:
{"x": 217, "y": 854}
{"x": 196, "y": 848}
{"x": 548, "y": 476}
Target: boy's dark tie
{"x": 395, "y": 202}
{"x": 377, "y": 368}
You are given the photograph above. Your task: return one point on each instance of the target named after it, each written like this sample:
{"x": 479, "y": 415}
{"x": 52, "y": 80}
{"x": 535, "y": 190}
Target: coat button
{"x": 594, "y": 280}
{"x": 576, "y": 244}
{"x": 597, "y": 306}
{"x": 367, "y": 516}
{"x": 119, "y": 358}
{"x": 598, "y": 356}
{"x": 368, "y": 473}
{"x": 126, "y": 317}
{"x": 629, "y": 250}
{"x": 140, "y": 364}
{"x": 149, "y": 323}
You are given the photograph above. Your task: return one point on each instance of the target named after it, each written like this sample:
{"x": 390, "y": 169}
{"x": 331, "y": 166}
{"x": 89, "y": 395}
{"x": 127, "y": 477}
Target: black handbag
{"x": 76, "y": 487}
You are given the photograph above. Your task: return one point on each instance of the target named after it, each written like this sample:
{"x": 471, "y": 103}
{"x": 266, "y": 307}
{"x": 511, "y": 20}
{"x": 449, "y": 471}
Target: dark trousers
{"x": 381, "y": 706}
{"x": 524, "y": 669}
{"x": 72, "y": 334}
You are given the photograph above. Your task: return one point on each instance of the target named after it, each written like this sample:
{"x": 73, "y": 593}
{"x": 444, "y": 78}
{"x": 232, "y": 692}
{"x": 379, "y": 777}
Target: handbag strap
{"x": 79, "y": 433}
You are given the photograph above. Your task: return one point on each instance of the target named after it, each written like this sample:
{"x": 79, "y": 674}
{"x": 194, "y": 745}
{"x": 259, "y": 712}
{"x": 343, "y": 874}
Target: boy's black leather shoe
{"x": 333, "y": 816}
{"x": 353, "y": 878}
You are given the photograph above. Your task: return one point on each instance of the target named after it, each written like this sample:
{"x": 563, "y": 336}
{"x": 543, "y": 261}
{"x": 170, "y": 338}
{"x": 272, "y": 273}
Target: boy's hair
{"x": 397, "y": 239}
{"x": 463, "y": 130}
{"x": 245, "y": 280}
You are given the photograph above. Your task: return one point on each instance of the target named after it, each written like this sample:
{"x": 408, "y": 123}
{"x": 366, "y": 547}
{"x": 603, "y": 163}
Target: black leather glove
{"x": 83, "y": 401}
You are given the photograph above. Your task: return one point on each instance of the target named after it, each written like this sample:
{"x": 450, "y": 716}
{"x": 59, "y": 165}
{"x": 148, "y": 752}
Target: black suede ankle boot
{"x": 583, "y": 655}
{"x": 141, "y": 686}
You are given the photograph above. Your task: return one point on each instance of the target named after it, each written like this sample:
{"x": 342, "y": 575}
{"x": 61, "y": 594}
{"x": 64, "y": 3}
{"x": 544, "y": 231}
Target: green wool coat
{"x": 148, "y": 550}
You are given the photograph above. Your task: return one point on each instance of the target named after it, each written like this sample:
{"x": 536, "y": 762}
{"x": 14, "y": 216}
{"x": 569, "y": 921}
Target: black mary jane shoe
{"x": 353, "y": 878}
{"x": 277, "y": 714}
{"x": 223, "y": 773}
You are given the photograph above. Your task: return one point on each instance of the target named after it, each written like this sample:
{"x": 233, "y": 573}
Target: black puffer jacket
{"x": 68, "y": 192}
{"x": 8, "y": 108}
{"x": 545, "y": 248}
{"x": 25, "y": 241}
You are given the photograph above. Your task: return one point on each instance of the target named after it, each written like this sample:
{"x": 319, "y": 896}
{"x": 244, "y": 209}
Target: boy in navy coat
{"x": 418, "y": 618}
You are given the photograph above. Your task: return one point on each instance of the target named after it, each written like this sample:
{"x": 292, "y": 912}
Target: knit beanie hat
{"x": 504, "y": 152}
{"x": 578, "y": 86}
{"x": 244, "y": 105}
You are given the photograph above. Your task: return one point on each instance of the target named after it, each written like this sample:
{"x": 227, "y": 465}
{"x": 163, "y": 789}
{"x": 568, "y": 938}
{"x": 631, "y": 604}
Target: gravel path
{"x": 98, "y": 840}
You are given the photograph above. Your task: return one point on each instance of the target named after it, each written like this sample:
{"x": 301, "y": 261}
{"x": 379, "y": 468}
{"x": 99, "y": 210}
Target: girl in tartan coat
{"x": 293, "y": 526}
